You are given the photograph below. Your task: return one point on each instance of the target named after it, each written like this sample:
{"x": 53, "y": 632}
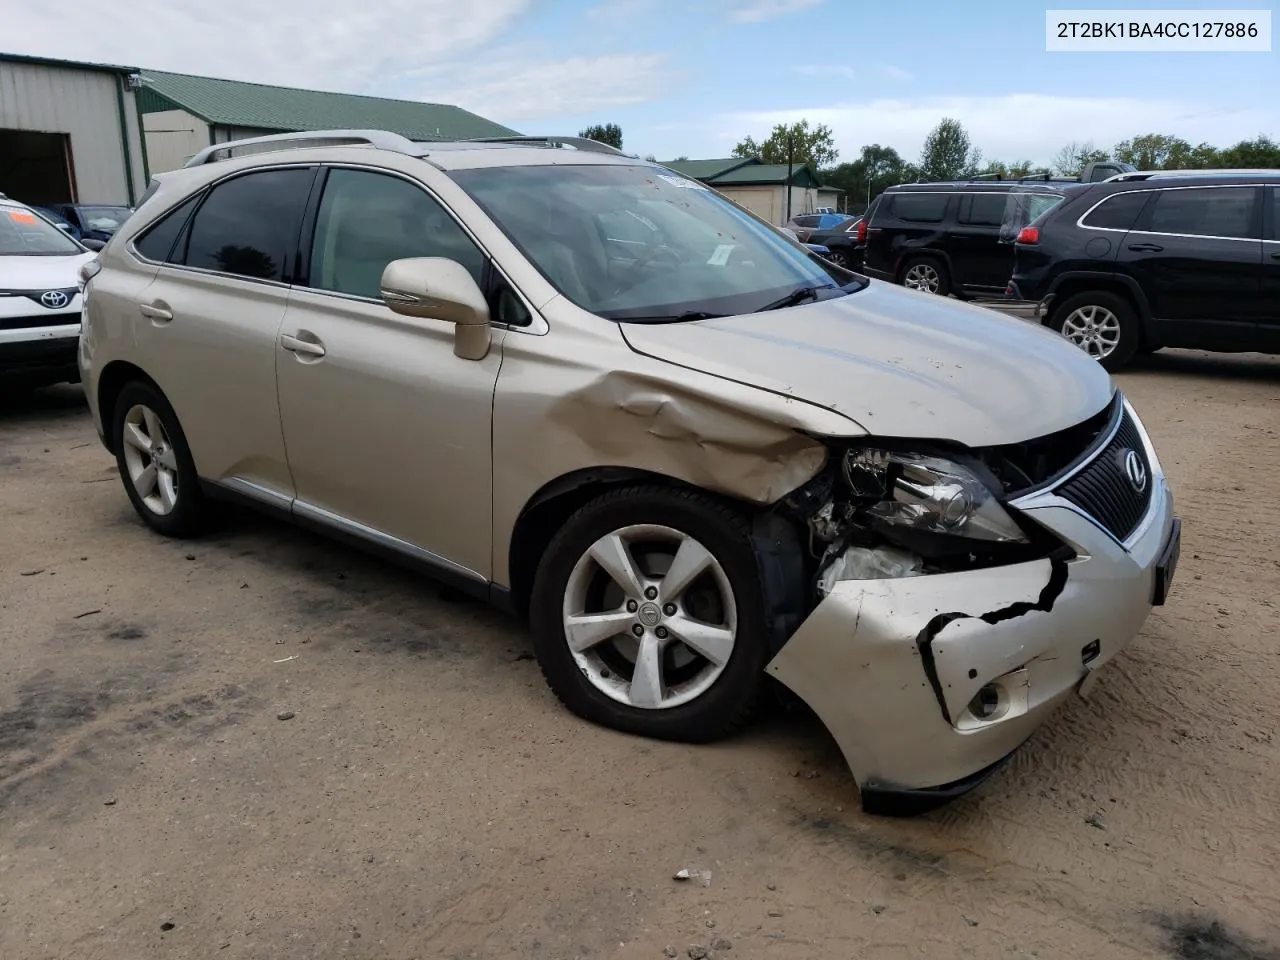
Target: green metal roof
{"x": 232, "y": 103}
{"x": 766, "y": 173}
{"x": 707, "y": 169}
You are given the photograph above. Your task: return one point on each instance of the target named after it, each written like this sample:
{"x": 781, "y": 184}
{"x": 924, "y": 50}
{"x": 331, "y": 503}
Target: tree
{"x": 1258, "y": 153}
{"x": 948, "y": 153}
{"x": 609, "y": 133}
{"x": 864, "y": 179}
{"x": 1153, "y": 151}
{"x": 1074, "y": 157}
{"x": 814, "y": 147}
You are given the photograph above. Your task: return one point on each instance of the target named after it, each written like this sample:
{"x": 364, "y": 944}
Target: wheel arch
{"x": 1070, "y": 284}
{"x": 114, "y": 378}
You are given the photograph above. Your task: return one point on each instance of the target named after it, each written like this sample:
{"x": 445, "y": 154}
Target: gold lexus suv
{"x": 691, "y": 452}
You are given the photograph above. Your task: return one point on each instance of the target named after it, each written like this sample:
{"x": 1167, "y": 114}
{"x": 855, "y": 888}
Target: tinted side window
{"x": 249, "y": 226}
{"x": 366, "y": 220}
{"x": 920, "y": 207}
{"x": 1118, "y": 212}
{"x": 1275, "y": 213}
{"x": 982, "y": 209}
{"x": 157, "y": 241}
{"x": 1221, "y": 212}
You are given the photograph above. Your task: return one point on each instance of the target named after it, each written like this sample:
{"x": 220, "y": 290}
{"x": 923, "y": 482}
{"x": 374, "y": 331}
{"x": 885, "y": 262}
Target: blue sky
{"x": 691, "y": 77}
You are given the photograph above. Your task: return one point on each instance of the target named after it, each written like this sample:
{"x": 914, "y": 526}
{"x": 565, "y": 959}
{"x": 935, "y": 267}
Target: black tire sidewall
{"x": 729, "y": 702}
{"x": 190, "y": 514}
{"x": 944, "y": 277}
{"x": 1130, "y": 335}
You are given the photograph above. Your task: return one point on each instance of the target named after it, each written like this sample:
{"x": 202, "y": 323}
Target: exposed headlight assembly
{"x": 914, "y": 497}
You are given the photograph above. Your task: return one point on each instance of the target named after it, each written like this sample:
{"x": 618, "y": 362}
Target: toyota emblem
{"x": 1135, "y": 470}
{"x": 54, "y": 299}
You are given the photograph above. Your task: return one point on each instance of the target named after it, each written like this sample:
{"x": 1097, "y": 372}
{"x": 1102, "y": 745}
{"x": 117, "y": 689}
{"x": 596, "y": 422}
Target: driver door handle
{"x": 154, "y": 311}
{"x": 1145, "y": 247}
{"x": 305, "y": 347}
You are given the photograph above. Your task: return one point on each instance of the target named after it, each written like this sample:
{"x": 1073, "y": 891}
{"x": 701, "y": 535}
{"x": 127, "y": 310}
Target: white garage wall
{"x": 86, "y": 105}
{"x": 173, "y": 137}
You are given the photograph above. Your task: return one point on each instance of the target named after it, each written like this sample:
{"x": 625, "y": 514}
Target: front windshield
{"x": 107, "y": 219}
{"x": 636, "y": 243}
{"x": 23, "y": 233}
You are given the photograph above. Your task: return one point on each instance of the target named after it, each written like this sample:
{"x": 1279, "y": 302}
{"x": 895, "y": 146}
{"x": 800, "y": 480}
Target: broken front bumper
{"x": 892, "y": 667}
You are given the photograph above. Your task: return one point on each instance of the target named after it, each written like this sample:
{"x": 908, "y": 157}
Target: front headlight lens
{"x": 928, "y": 494}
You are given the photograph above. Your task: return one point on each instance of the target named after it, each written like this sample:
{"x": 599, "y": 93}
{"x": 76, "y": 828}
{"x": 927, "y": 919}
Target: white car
{"x": 39, "y": 299}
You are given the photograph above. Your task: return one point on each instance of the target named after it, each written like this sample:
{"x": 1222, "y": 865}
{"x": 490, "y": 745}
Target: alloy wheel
{"x": 923, "y": 277}
{"x": 150, "y": 460}
{"x": 650, "y": 616}
{"x": 1094, "y": 329}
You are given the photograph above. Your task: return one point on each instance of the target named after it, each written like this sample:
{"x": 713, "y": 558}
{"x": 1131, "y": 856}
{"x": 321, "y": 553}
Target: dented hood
{"x": 900, "y": 363}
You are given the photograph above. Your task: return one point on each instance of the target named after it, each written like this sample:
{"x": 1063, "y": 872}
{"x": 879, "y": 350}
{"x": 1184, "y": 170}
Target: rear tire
{"x": 686, "y": 655}
{"x": 926, "y": 274}
{"x": 155, "y": 463}
{"x": 1102, "y": 324}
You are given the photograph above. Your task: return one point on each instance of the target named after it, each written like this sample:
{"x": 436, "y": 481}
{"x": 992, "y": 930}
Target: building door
{"x": 36, "y": 167}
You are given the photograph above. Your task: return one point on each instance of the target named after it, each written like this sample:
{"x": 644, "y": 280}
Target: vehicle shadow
{"x": 1258, "y": 367}
{"x": 59, "y": 403}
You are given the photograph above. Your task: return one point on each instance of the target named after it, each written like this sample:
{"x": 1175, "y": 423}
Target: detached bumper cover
{"x": 892, "y": 666}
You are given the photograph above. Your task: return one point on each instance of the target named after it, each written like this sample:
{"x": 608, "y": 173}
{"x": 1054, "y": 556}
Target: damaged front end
{"x": 939, "y": 640}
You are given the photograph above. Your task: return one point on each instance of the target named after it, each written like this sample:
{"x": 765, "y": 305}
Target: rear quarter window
{"x": 919, "y": 207}
{"x": 982, "y": 209}
{"x": 1118, "y": 212}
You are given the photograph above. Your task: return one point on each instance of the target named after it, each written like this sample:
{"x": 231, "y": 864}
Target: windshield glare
{"x": 108, "y": 219}
{"x": 637, "y": 243}
{"x": 24, "y": 233}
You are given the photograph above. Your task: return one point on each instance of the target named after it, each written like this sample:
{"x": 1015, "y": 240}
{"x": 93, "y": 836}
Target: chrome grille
{"x": 1104, "y": 490}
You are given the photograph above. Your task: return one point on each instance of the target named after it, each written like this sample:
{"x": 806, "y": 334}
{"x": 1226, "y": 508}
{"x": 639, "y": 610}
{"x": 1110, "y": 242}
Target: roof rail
{"x": 381, "y": 139}
{"x": 578, "y": 143}
{"x": 1157, "y": 174}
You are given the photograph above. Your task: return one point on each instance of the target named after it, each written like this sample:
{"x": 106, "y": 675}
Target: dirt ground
{"x": 427, "y": 797}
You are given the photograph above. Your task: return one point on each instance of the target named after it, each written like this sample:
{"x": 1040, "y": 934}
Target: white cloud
{"x": 755, "y": 11}
{"x": 896, "y": 73}
{"x": 325, "y": 44}
{"x": 513, "y": 88}
{"x": 620, "y": 9}
{"x": 1012, "y": 127}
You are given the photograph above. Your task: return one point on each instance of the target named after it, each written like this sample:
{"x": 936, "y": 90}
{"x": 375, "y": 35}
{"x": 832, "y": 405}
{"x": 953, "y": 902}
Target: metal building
{"x": 70, "y": 132}
{"x": 182, "y": 114}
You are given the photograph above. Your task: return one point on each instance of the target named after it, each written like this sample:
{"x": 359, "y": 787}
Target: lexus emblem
{"x": 1135, "y": 470}
{"x": 54, "y": 299}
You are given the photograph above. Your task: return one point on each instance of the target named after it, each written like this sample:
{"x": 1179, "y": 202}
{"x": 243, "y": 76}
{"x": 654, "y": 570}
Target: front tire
{"x": 1102, "y": 324}
{"x": 647, "y": 615}
{"x": 155, "y": 463}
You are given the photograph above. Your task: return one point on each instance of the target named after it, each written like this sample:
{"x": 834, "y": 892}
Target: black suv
{"x": 1151, "y": 260}
{"x": 953, "y": 237}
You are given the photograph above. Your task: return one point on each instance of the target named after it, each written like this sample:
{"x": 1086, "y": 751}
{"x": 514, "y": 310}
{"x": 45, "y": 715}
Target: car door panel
{"x": 1269, "y": 295}
{"x": 387, "y": 428}
{"x": 1203, "y": 284}
{"x": 388, "y": 432}
{"x": 978, "y": 258}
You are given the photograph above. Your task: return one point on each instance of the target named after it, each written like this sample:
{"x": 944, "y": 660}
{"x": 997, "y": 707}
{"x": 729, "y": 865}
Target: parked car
{"x": 607, "y": 398}
{"x": 807, "y": 223}
{"x": 39, "y": 299}
{"x": 842, "y": 242}
{"x": 94, "y": 221}
{"x": 58, "y": 220}
{"x": 957, "y": 237}
{"x": 1151, "y": 260}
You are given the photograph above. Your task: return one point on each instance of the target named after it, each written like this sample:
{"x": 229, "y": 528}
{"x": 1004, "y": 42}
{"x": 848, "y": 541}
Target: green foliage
{"x": 796, "y": 143}
{"x": 948, "y": 153}
{"x": 609, "y": 133}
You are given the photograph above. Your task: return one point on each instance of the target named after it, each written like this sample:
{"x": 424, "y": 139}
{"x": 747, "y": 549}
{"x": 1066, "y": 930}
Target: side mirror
{"x": 93, "y": 244}
{"x": 440, "y": 289}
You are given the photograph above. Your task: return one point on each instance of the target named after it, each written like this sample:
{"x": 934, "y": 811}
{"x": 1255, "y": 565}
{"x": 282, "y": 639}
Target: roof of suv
{"x": 981, "y": 186}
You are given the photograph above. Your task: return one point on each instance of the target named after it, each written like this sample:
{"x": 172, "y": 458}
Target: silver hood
{"x": 899, "y": 363}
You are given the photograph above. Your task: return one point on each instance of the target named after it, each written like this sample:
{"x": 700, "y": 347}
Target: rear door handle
{"x": 1145, "y": 247}
{"x": 155, "y": 311}
{"x": 306, "y": 347}
{"x": 1276, "y": 256}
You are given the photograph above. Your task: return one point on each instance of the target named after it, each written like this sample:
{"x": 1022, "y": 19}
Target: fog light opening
{"x": 990, "y": 703}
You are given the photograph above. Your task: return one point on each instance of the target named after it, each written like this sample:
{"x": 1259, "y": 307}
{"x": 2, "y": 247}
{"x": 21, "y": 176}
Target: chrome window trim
{"x": 537, "y": 325}
{"x": 1049, "y": 497}
{"x": 1155, "y": 233}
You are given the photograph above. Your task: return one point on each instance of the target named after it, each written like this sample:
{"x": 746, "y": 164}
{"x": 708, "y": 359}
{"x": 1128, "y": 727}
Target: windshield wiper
{"x": 677, "y": 318}
{"x": 792, "y": 299}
